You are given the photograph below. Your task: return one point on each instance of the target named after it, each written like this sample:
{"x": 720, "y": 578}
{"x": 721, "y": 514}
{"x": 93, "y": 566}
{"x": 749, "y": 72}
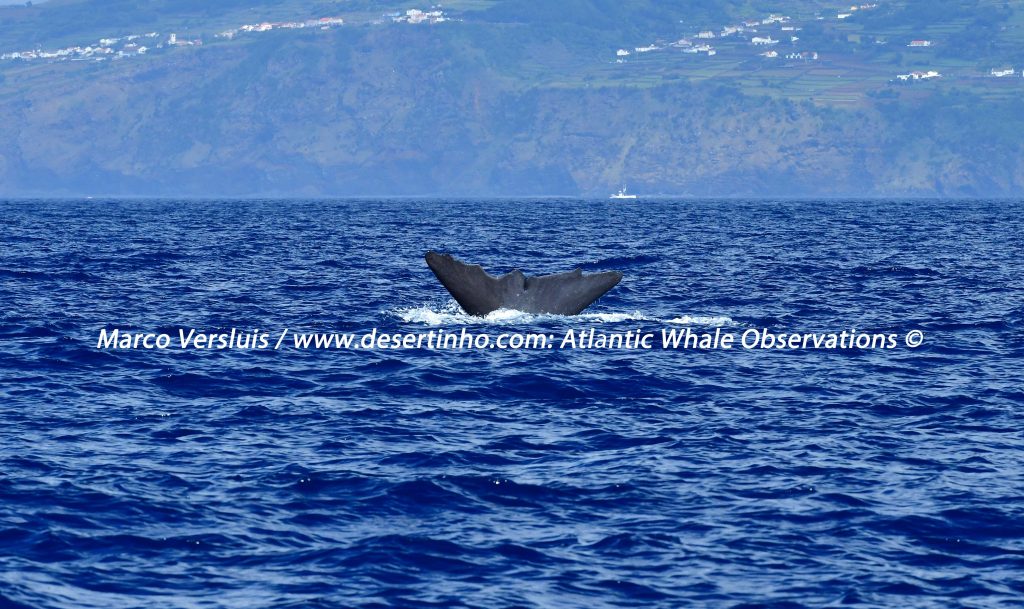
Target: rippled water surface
{"x": 559, "y": 478}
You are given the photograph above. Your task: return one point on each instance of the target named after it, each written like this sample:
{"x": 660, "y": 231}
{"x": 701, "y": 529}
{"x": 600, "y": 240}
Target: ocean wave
{"x": 621, "y": 262}
{"x": 564, "y": 478}
{"x": 703, "y": 320}
{"x": 451, "y": 314}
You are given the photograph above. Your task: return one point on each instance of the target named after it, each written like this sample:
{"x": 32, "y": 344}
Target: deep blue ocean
{"x": 497, "y": 478}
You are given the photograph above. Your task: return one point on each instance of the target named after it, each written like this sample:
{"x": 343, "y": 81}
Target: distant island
{"x": 503, "y": 98}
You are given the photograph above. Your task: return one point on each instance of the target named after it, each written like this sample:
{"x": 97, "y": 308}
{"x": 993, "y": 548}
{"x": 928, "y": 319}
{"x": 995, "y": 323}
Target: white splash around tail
{"x": 451, "y": 314}
{"x": 702, "y": 320}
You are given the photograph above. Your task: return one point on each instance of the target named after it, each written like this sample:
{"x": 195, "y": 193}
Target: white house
{"x": 919, "y": 75}
{"x": 701, "y": 48}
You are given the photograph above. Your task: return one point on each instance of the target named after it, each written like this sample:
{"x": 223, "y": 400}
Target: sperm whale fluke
{"x": 479, "y": 292}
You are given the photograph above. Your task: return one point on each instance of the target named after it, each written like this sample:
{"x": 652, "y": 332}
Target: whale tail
{"x": 479, "y": 293}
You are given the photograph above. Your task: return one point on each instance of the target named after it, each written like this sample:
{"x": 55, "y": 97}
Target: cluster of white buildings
{"x": 323, "y": 23}
{"x": 930, "y": 74}
{"x": 698, "y": 43}
{"x": 1004, "y": 72}
{"x": 139, "y": 44}
{"x": 685, "y": 45}
{"x": 853, "y": 9}
{"x": 707, "y": 49}
{"x": 174, "y": 41}
{"x": 415, "y": 15}
{"x": 748, "y": 26}
{"x": 689, "y": 47}
{"x": 105, "y": 48}
{"x": 799, "y": 55}
{"x": 128, "y": 46}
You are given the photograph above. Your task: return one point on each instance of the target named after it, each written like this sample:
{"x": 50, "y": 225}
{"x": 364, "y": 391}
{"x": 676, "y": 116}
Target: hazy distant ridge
{"x": 505, "y": 98}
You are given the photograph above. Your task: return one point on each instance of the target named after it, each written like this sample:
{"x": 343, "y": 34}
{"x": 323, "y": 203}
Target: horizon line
{"x": 441, "y": 197}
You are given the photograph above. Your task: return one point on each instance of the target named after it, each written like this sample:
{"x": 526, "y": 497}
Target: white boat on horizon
{"x": 622, "y": 194}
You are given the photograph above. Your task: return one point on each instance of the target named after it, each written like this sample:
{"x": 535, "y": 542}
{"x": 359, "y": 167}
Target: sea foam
{"x": 451, "y": 314}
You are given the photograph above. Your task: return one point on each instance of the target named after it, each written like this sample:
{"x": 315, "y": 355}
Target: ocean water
{"x": 502, "y": 478}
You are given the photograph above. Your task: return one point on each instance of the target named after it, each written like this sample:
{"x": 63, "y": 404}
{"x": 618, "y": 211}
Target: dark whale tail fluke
{"x": 480, "y": 293}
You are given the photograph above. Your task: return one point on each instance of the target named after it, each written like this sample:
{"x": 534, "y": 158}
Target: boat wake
{"x": 451, "y": 314}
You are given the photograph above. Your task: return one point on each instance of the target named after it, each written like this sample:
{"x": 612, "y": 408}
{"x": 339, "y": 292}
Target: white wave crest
{"x": 702, "y": 320}
{"x": 452, "y": 315}
{"x": 613, "y": 318}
